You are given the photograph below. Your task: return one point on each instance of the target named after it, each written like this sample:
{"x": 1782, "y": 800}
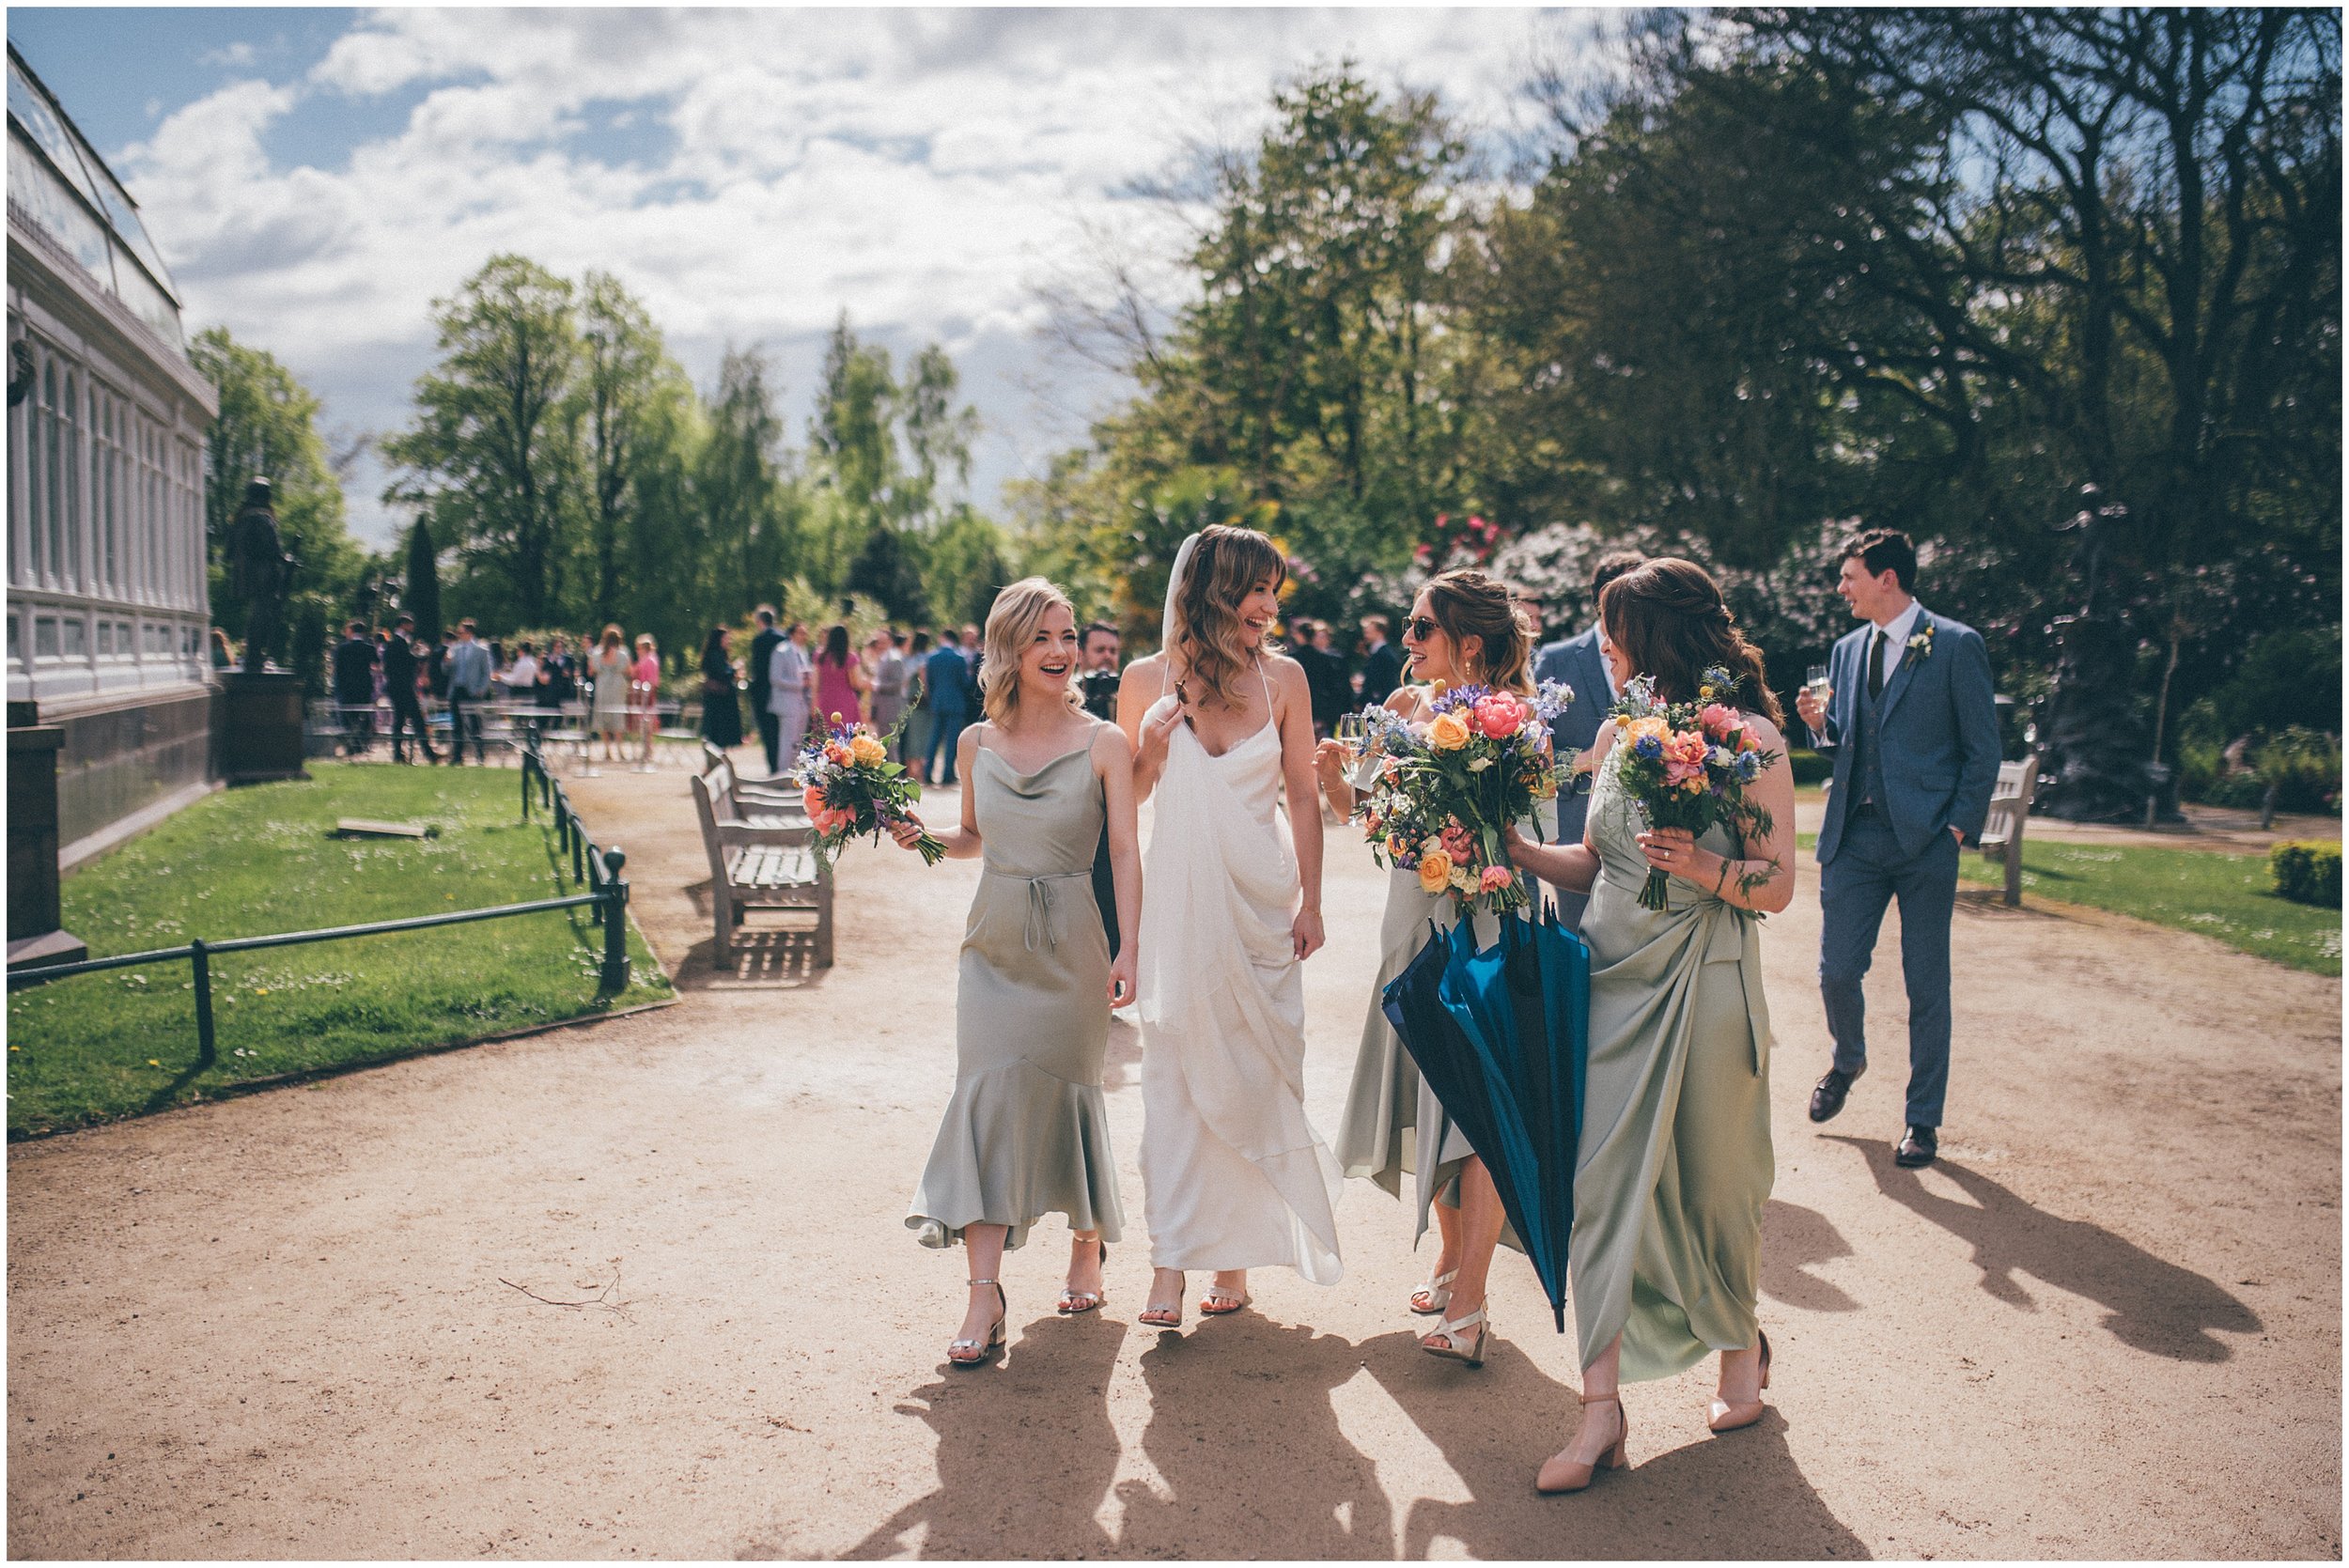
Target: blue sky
{"x": 315, "y": 179}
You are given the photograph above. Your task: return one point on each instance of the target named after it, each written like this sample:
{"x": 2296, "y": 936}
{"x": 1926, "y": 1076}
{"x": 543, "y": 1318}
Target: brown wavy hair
{"x": 1468, "y": 603}
{"x": 1668, "y": 619}
{"x": 1225, "y": 566}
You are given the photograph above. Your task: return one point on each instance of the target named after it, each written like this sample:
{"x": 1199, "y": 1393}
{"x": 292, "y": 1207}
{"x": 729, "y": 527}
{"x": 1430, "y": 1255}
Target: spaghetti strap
{"x": 1265, "y": 676}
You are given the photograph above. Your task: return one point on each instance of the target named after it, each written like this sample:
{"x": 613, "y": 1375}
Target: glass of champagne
{"x": 1816, "y": 682}
{"x": 1350, "y": 730}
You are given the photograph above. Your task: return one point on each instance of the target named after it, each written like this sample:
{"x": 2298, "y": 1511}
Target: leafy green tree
{"x": 626, "y": 375}
{"x": 490, "y": 458}
{"x": 740, "y": 484}
{"x": 885, "y": 570}
{"x": 850, "y": 439}
{"x": 268, "y": 428}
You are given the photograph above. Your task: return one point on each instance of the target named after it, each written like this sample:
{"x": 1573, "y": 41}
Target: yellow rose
{"x": 868, "y": 751}
{"x": 1449, "y": 733}
{"x": 1435, "y": 872}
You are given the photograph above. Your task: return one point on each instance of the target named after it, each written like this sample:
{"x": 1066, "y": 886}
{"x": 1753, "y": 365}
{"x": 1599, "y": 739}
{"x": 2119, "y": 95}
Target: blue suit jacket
{"x": 947, "y": 676}
{"x": 1937, "y": 731}
{"x": 1577, "y": 661}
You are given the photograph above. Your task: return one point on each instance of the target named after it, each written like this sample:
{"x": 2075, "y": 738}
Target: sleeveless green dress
{"x": 1675, "y": 1164}
{"x": 1026, "y": 1133}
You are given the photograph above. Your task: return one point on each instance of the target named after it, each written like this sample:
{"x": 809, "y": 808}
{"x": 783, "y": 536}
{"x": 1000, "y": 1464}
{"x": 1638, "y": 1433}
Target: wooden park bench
{"x": 2002, "y": 832}
{"x": 760, "y": 808}
{"x": 761, "y": 866}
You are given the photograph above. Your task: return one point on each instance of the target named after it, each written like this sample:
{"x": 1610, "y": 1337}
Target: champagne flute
{"x": 1351, "y": 731}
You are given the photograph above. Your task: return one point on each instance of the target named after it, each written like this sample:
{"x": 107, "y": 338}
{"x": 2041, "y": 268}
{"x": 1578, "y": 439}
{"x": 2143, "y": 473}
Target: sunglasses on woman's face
{"x": 1420, "y": 628}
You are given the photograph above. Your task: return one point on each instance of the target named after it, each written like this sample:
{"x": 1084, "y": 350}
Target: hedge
{"x": 2306, "y": 873}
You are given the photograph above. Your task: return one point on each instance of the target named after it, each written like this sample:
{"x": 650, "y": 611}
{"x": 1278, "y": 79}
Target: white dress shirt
{"x": 1896, "y": 635}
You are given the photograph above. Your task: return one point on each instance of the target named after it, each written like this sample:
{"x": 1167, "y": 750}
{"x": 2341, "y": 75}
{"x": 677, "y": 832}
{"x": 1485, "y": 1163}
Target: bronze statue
{"x": 259, "y": 572}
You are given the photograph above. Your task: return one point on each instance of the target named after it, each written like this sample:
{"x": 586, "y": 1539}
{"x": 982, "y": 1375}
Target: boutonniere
{"x": 1921, "y": 643}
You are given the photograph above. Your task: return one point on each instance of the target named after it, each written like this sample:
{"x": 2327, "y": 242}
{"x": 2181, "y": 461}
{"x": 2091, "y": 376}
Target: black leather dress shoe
{"x": 1827, "y": 1098}
{"x": 1918, "y": 1149}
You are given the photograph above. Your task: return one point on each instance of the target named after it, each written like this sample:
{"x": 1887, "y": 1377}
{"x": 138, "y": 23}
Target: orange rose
{"x": 1435, "y": 870}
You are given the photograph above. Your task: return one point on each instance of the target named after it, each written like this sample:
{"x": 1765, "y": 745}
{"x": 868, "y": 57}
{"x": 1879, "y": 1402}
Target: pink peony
{"x": 1677, "y": 772}
{"x": 1498, "y": 717}
{"x": 1684, "y": 746}
{"x": 1717, "y": 720}
{"x": 1494, "y": 879}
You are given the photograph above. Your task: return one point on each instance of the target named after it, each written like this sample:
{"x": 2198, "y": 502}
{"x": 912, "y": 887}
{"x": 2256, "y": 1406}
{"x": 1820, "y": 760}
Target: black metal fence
{"x": 606, "y": 900}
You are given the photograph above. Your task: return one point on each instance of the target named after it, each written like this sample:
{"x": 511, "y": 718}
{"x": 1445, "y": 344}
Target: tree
{"x": 2135, "y": 232}
{"x": 1318, "y": 362}
{"x": 268, "y": 428}
{"x": 492, "y": 449}
{"x": 938, "y": 437}
{"x": 625, "y": 373}
{"x": 850, "y": 436}
{"x": 420, "y": 593}
{"x": 740, "y": 482}
{"x": 885, "y": 570}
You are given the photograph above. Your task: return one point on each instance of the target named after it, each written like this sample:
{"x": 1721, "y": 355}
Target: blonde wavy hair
{"x": 1011, "y": 624}
{"x": 1225, "y": 566}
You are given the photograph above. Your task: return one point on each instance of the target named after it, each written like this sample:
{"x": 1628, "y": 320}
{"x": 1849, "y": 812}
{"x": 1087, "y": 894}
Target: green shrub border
{"x": 2306, "y": 873}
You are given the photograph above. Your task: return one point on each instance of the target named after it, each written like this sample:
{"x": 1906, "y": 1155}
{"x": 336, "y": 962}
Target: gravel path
{"x": 2107, "y": 1325}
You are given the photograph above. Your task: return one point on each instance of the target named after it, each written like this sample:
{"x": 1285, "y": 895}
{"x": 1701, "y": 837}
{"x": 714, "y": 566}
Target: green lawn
{"x": 2225, "y": 897}
{"x": 254, "y": 860}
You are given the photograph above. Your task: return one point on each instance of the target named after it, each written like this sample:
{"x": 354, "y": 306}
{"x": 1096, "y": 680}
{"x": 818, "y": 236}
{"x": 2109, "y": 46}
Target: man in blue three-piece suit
{"x": 1581, "y": 663}
{"x": 1910, "y": 720}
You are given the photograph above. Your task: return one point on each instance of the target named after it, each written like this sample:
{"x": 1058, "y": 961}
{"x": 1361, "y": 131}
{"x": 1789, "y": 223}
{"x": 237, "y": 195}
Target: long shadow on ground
{"x": 2150, "y": 1304}
{"x": 1738, "y": 1496}
{"x": 1025, "y": 1450}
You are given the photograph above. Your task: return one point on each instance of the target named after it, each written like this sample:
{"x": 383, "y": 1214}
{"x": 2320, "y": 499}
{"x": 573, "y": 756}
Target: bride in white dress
{"x": 1234, "y": 1177}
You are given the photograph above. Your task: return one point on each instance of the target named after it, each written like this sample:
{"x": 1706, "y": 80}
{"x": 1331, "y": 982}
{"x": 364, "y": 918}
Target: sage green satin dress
{"x": 1026, "y": 1133}
{"x": 1675, "y": 1162}
{"x": 1395, "y": 1129}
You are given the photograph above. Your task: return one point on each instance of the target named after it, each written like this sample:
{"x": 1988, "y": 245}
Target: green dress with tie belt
{"x": 1675, "y": 1163}
{"x": 1026, "y": 1133}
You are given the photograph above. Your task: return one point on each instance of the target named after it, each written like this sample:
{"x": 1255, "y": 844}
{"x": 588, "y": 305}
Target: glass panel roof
{"x": 35, "y": 116}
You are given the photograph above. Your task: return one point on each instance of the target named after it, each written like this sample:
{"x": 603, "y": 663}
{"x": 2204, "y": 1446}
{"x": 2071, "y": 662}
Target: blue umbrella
{"x": 1501, "y": 1036}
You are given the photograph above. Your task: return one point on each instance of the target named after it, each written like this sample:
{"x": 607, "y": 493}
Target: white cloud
{"x": 235, "y": 56}
{"x": 922, "y": 169}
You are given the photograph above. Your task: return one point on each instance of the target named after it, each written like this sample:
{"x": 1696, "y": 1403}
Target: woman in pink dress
{"x": 644, "y": 694}
{"x": 840, "y": 679}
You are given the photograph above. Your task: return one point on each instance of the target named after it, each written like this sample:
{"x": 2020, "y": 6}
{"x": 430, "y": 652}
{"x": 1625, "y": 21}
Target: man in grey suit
{"x": 1910, "y": 719}
{"x": 1580, "y": 663}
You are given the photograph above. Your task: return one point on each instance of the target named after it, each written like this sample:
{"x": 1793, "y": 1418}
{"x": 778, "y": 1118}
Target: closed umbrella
{"x": 1501, "y": 1036}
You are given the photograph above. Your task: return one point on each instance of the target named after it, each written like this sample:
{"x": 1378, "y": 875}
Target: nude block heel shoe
{"x": 1726, "y": 1416}
{"x": 1557, "y": 1477}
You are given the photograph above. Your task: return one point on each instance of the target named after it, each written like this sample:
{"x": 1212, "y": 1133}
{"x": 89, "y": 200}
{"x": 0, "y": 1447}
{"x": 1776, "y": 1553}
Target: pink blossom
{"x": 1498, "y": 717}
{"x": 1717, "y": 720}
{"x": 1494, "y": 879}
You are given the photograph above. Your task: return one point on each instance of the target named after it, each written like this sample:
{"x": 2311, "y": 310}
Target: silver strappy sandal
{"x": 972, "y": 1353}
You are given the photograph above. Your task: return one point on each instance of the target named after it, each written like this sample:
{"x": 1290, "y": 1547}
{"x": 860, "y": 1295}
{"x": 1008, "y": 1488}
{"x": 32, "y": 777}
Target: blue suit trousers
{"x": 946, "y": 727}
{"x": 1869, "y": 871}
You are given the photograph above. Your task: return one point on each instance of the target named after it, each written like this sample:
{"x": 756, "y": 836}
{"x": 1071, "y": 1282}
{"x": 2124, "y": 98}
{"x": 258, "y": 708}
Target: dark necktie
{"x": 1875, "y": 664}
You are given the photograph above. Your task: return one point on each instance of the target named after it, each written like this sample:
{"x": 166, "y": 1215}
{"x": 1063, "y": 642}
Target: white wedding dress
{"x": 1234, "y": 1177}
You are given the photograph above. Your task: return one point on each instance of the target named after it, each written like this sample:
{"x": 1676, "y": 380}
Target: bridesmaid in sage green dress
{"x": 1675, "y": 1164}
{"x": 1462, "y": 629}
{"x": 1026, "y": 1133}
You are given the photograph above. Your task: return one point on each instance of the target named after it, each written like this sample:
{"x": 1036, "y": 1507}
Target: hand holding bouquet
{"x": 1688, "y": 764}
{"x": 853, "y": 789}
{"x": 1447, "y": 790}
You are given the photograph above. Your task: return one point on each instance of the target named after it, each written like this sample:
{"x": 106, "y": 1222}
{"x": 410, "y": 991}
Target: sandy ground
{"x": 2107, "y": 1325}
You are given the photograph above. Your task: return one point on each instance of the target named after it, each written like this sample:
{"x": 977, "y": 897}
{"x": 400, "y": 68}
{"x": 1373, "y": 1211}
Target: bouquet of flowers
{"x": 853, "y": 789}
{"x": 1446, "y": 790}
{"x": 1687, "y": 765}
